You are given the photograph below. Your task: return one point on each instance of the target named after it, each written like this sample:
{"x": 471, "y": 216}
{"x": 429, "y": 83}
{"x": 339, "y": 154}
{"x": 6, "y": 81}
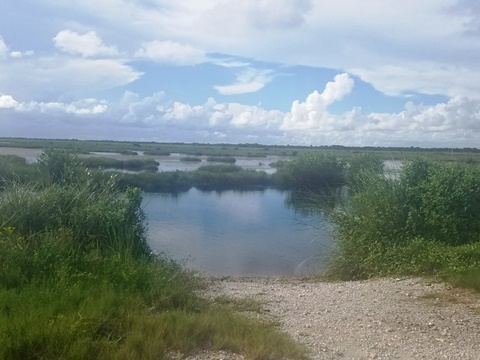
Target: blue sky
{"x": 307, "y": 72}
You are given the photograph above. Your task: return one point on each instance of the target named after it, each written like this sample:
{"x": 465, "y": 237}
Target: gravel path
{"x": 380, "y": 319}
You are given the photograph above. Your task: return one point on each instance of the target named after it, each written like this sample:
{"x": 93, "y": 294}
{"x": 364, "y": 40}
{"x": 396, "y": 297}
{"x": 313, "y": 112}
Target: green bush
{"x": 425, "y": 222}
{"x": 60, "y": 167}
{"x": 312, "y": 172}
{"x": 171, "y": 181}
{"x": 222, "y": 177}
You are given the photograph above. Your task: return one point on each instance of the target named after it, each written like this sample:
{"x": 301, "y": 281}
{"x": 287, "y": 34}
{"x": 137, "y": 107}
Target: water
{"x": 237, "y": 233}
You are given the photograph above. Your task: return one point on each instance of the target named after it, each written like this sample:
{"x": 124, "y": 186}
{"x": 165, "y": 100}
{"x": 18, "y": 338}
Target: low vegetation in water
{"x": 191, "y": 159}
{"x": 425, "y": 222}
{"x": 222, "y": 159}
{"x": 78, "y": 279}
{"x": 138, "y": 164}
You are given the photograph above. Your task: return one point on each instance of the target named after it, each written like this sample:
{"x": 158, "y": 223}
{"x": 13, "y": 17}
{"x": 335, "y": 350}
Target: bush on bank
{"x": 424, "y": 222}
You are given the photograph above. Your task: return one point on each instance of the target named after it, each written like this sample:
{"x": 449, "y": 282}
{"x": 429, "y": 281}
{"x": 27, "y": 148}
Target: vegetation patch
{"x": 222, "y": 159}
{"x": 138, "y": 164}
{"x": 191, "y": 159}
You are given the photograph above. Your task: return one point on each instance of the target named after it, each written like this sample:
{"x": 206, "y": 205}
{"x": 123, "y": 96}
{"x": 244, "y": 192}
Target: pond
{"x": 232, "y": 233}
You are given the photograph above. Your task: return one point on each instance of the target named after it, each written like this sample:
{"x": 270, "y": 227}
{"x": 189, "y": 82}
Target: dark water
{"x": 237, "y": 233}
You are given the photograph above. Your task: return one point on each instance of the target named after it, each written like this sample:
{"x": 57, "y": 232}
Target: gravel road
{"x": 410, "y": 318}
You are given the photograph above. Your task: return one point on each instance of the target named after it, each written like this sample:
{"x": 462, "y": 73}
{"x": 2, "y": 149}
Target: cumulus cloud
{"x": 86, "y": 45}
{"x": 7, "y": 101}
{"x": 248, "y": 81}
{"x": 312, "y": 114}
{"x": 455, "y": 122}
{"x": 171, "y": 52}
{"x": 88, "y": 106}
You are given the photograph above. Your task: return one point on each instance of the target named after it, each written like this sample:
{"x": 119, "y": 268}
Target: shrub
{"x": 311, "y": 171}
{"x": 60, "y": 166}
{"x": 424, "y": 222}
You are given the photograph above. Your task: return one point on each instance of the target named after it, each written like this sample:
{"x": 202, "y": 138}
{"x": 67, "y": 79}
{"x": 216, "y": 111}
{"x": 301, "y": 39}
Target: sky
{"x": 284, "y": 72}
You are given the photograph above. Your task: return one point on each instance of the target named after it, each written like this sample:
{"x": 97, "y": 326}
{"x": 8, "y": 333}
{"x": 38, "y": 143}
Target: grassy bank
{"x": 78, "y": 279}
{"x": 425, "y": 222}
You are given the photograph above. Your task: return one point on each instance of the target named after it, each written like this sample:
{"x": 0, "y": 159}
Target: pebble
{"x": 376, "y": 319}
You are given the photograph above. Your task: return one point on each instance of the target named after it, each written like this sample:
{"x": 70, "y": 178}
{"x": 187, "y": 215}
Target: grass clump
{"x": 78, "y": 280}
{"x": 423, "y": 223}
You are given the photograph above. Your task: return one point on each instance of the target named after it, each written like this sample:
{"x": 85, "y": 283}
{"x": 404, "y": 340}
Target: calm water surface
{"x": 237, "y": 233}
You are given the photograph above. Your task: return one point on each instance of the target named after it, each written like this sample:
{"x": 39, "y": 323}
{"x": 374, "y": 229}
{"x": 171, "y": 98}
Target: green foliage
{"x": 424, "y": 222}
{"x": 360, "y": 167}
{"x": 60, "y": 166}
{"x": 190, "y": 159}
{"x": 98, "y": 215}
{"x": 222, "y": 177}
{"x": 14, "y": 168}
{"x": 222, "y": 159}
{"x": 312, "y": 171}
{"x": 172, "y": 181}
{"x": 129, "y": 164}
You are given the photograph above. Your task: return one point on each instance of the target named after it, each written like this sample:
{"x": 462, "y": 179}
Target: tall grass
{"x": 14, "y": 168}
{"x": 424, "y": 222}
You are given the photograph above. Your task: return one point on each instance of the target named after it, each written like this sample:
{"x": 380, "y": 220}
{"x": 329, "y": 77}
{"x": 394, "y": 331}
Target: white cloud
{"x": 426, "y": 78}
{"x": 50, "y": 78}
{"x": 171, "y": 52}
{"x": 452, "y": 123}
{"x": 3, "y": 48}
{"x": 87, "y": 45}
{"x": 248, "y": 81}
{"x": 312, "y": 114}
{"x": 7, "y": 101}
{"x": 88, "y": 106}
{"x": 280, "y": 13}
{"x": 367, "y": 38}
{"x": 19, "y": 54}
